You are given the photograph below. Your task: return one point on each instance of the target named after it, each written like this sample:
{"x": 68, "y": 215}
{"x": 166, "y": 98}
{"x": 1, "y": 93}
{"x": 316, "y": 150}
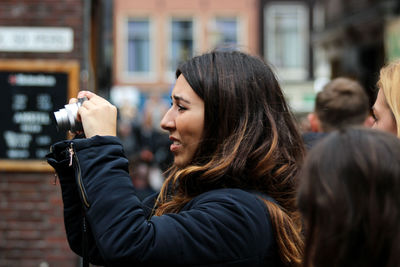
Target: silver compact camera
{"x": 66, "y": 117}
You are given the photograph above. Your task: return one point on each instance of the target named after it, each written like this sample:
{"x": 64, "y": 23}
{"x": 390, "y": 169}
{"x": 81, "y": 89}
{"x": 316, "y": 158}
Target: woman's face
{"x": 383, "y": 116}
{"x": 184, "y": 121}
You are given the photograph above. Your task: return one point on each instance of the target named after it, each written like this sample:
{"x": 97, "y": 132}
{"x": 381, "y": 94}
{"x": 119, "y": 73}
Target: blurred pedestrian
{"x": 127, "y": 118}
{"x": 139, "y": 169}
{"x": 152, "y": 140}
{"x": 349, "y": 198}
{"x": 229, "y": 199}
{"x": 342, "y": 102}
{"x": 154, "y": 109}
{"x": 386, "y": 110}
{"x": 125, "y": 134}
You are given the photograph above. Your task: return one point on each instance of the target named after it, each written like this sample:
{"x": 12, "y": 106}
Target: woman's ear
{"x": 314, "y": 122}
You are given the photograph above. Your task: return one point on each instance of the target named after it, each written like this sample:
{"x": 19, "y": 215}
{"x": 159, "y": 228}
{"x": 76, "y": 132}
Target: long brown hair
{"x": 250, "y": 141}
{"x": 349, "y": 198}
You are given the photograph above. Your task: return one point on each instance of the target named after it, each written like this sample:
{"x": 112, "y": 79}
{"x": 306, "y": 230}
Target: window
{"x": 138, "y": 46}
{"x": 225, "y": 32}
{"x": 287, "y": 39}
{"x": 181, "y": 42}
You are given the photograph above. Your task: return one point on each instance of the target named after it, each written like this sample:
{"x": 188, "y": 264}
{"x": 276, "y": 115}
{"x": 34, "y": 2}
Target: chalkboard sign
{"x": 30, "y": 92}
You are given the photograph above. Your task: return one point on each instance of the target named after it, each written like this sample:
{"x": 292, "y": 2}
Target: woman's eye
{"x": 180, "y": 107}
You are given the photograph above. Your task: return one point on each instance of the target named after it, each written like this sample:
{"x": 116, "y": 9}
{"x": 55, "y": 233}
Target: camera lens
{"x": 66, "y": 117}
{"x": 62, "y": 120}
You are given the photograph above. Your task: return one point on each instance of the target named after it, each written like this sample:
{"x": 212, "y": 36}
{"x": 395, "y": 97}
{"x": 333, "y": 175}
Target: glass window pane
{"x": 181, "y": 42}
{"x": 139, "y": 45}
{"x": 227, "y": 30}
{"x": 287, "y": 39}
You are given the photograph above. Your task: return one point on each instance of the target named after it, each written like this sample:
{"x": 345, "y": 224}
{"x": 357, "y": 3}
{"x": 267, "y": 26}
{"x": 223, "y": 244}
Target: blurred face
{"x": 383, "y": 116}
{"x": 184, "y": 121}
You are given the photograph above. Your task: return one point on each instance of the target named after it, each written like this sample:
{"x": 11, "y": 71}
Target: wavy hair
{"x": 349, "y": 198}
{"x": 250, "y": 142}
{"x": 389, "y": 83}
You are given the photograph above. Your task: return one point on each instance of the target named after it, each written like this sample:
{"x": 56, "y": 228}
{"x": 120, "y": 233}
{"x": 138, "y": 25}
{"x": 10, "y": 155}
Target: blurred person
{"x": 154, "y": 110}
{"x": 304, "y": 124}
{"x": 342, "y": 102}
{"x": 145, "y": 136}
{"x": 125, "y": 134}
{"x": 152, "y": 141}
{"x": 349, "y": 199}
{"x": 128, "y": 111}
{"x": 139, "y": 169}
{"x": 386, "y": 110}
{"x": 229, "y": 198}
{"x": 127, "y": 118}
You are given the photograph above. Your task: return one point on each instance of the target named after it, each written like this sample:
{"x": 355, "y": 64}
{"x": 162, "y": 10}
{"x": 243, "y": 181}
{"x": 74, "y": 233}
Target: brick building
{"x": 152, "y": 37}
{"x": 31, "y": 220}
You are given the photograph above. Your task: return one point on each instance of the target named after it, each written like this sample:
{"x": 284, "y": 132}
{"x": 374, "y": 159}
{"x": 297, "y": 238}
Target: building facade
{"x": 286, "y": 28}
{"x": 355, "y": 38}
{"x": 152, "y": 37}
{"x": 38, "y": 34}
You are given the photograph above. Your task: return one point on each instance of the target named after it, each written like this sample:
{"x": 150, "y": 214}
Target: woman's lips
{"x": 175, "y": 146}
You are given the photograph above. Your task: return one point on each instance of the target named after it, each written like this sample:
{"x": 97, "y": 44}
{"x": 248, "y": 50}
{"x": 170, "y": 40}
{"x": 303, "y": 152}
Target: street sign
{"x": 36, "y": 39}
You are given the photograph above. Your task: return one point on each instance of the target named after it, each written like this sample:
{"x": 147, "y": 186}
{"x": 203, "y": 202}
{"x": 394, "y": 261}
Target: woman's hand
{"x": 98, "y": 116}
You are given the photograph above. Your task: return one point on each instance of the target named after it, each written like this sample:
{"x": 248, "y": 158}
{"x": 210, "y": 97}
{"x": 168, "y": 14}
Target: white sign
{"x": 36, "y": 39}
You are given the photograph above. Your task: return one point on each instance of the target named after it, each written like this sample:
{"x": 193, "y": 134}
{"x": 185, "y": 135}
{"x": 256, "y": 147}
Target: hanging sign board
{"x": 36, "y": 39}
{"x": 30, "y": 92}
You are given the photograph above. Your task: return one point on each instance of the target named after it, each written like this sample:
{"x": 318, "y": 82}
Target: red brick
{"x": 31, "y": 216}
{"x": 31, "y": 226}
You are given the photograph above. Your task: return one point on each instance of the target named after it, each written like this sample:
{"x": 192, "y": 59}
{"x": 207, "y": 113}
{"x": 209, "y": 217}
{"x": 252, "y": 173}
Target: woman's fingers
{"x": 72, "y": 100}
{"x": 99, "y": 117}
{"x": 87, "y": 94}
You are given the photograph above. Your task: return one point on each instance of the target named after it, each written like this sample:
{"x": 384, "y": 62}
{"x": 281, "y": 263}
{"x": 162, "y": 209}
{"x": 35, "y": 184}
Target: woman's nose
{"x": 168, "y": 122}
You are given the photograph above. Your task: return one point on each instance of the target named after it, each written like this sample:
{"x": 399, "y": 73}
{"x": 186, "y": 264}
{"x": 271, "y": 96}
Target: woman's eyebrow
{"x": 179, "y": 98}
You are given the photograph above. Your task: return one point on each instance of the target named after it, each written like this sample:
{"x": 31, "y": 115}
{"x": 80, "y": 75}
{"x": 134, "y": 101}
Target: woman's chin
{"x": 178, "y": 162}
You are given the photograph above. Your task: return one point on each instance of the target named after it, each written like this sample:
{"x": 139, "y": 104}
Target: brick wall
{"x": 32, "y": 231}
{"x": 44, "y": 13}
{"x": 31, "y": 221}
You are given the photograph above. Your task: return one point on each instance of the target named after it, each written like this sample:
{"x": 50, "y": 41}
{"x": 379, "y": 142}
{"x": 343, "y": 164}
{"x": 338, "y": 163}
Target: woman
{"x": 229, "y": 198}
{"x": 386, "y": 110}
{"x": 350, "y": 202}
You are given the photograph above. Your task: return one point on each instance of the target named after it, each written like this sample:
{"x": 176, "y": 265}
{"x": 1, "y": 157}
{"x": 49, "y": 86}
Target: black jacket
{"x": 223, "y": 227}
{"x": 310, "y": 139}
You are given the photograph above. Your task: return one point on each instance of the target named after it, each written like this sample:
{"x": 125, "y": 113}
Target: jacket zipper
{"x": 74, "y": 158}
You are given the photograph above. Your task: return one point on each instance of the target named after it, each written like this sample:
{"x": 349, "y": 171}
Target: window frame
{"x": 299, "y": 73}
{"x": 170, "y": 73}
{"x": 213, "y": 28}
{"x": 139, "y": 76}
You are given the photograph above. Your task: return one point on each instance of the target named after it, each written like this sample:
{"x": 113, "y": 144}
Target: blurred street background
{"x": 127, "y": 51}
